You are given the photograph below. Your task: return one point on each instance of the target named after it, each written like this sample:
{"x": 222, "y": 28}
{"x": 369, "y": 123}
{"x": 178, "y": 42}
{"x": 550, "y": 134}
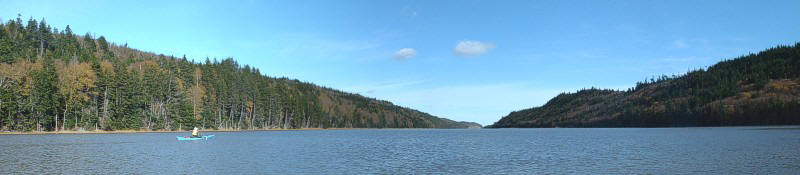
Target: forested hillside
{"x": 53, "y": 79}
{"x": 757, "y": 89}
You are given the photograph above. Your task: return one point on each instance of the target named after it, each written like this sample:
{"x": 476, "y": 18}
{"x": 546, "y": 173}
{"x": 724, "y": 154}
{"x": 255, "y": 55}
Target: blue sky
{"x": 463, "y": 60}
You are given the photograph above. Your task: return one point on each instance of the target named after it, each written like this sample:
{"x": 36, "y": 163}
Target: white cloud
{"x": 407, "y": 11}
{"x": 472, "y": 48}
{"x": 681, "y": 44}
{"x": 405, "y": 53}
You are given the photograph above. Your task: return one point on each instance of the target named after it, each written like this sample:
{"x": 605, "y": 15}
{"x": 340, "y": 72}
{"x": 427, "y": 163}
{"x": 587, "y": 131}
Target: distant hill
{"x": 471, "y": 124}
{"x": 54, "y": 79}
{"x": 757, "y": 89}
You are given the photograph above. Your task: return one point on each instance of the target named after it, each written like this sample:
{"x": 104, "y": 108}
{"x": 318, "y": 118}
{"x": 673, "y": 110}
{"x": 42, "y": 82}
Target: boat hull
{"x": 195, "y": 138}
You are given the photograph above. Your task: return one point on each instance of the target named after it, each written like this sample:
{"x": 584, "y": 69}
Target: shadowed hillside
{"x": 757, "y": 89}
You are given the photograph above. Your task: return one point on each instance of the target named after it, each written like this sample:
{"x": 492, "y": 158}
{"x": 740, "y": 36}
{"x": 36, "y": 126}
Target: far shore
{"x": 167, "y": 131}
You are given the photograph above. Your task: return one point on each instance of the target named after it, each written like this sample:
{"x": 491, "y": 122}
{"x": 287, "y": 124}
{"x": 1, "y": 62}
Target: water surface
{"x": 735, "y": 150}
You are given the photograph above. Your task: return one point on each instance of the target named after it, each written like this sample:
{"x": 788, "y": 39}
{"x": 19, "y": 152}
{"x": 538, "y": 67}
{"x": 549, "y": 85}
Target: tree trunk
{"x": 41, "y": 48}
{"x": 147, "y": 123}
{"x": 76, "y": 122}
{"x": 55, "y": 123}
{"x": 285, "y": 119}
{"x": 105, "y": 109}
{"x": 269, "y": 113}
{"x": 219, "y": 118}
{"x": 252, "y": 116}
{"x": 163, "y": 112}
{"x": 64, "y": 120}
{"x": 241, "y": 113}
{"x": 230, "y": 117}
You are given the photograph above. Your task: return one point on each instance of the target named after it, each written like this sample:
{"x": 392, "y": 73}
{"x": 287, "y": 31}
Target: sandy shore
{"x": 161, "y": 131}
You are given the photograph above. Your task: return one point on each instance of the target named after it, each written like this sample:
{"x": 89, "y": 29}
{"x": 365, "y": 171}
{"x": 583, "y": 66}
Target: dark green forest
{"x": 756, "y": 89}
{"x": 53, "y": 80}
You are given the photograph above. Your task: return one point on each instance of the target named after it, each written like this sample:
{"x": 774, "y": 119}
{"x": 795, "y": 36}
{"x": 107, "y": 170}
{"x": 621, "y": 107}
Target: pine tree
{"x": 46, "y": 95}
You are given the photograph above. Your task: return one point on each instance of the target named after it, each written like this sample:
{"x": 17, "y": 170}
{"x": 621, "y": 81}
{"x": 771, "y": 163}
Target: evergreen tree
{"x": 54, "y": 80}
{"x": 46, "y": 96}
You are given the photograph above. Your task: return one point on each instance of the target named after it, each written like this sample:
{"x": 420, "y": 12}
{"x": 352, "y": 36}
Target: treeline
{"x": 756, "y": 89}
{"x": 53, "y": 79}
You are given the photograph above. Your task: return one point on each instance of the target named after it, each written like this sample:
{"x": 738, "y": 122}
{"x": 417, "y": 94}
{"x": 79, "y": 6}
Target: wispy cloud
{"x": 689, "y": 43}
{"x": 681, "y": 44}
{"x": 407, "y": 11}
{"x": 384, "y": 86}
{"x": 405, "y": 53}
{"x": 469, "y": 48}
{"x": 300, "y": 45}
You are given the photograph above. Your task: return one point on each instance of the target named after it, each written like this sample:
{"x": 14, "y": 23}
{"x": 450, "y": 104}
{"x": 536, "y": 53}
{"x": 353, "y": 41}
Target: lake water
{"x": 736, "y": 150}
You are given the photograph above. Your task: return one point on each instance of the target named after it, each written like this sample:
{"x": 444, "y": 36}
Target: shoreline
{"x": 166, "y": 131}
{"x": 757, "y": 127}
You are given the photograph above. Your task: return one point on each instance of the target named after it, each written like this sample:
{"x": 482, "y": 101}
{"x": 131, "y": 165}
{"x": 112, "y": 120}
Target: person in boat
{"x": 196, "y": 133}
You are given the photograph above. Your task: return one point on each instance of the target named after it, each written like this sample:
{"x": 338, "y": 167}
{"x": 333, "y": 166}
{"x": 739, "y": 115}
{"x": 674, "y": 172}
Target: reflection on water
{"x": 458, "y": 151}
